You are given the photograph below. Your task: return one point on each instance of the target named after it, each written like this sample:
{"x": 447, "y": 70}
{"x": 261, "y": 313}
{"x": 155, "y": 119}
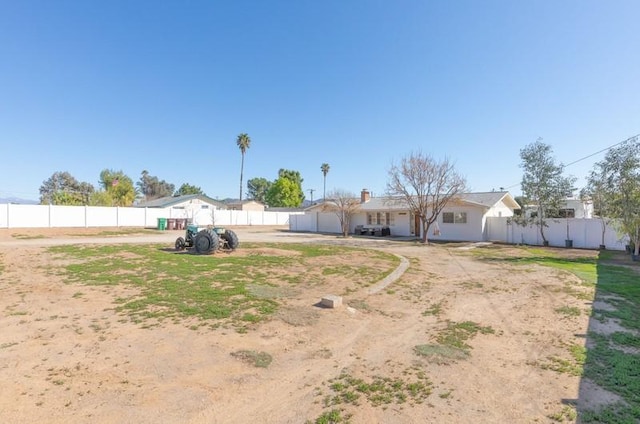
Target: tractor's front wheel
{"x": 180, "y": 243}
{"x": 206, "y": 242}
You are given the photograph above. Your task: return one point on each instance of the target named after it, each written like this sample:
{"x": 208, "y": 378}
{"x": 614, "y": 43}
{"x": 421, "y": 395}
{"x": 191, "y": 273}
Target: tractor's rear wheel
{"x": 231, "y": 240}
{"x": 206, "y": 242}
{"x": 180, "y": 243}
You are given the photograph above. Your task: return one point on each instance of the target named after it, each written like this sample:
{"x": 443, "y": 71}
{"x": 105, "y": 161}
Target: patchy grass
{"x": 20, "y": 236}
{"x": 456, "y": 334}
{"x": 434, "y": 309}
{"x": 574, "y": 365}
{"x": 413, "y": 387}
{"x": 441, "y": 355}
{"x": 331, "y": 417}
{"x": 612, "y": 361}
{"x": 242, "y": 289}
{"x": 569, "y": 311}
{"x": 252, "y": 357}
{"x": 452, "y": 343}
{"x": 568, "y": 413}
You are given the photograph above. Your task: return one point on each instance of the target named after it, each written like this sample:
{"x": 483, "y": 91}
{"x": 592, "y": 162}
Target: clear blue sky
{"x": 167, "y": 86}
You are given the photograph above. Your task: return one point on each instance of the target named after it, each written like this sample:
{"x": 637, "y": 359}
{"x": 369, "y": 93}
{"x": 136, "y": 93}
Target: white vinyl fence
{"x": 48, "y": 216}
{"x": 585, "y": 233}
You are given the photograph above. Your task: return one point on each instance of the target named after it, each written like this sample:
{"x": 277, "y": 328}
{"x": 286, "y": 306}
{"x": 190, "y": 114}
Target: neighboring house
{"x": 287, "y": 210}
{"x": 196, "y": 207}
{"x": 570, "y": 208}
{"x": 463, "y": 219}
{"x": 246, "y": 205}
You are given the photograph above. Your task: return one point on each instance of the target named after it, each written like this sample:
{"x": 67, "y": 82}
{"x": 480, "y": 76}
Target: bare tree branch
{"x": 344, "y": 204}
{"x": 425, "y": 185}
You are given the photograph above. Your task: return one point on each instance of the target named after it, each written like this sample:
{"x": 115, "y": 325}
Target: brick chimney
{"x": 364, "y": 196}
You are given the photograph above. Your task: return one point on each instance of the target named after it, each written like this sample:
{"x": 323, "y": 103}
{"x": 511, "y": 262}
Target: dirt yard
{"x": 69, "y": 357}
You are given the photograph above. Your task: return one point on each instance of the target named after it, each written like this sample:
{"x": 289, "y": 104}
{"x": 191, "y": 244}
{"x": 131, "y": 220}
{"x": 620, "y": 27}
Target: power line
{"x": 590, "y": 155}
{"x": 603, "y": 150}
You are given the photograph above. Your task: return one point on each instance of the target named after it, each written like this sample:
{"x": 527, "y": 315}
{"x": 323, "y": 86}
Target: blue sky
{"x": 168, "y": 86}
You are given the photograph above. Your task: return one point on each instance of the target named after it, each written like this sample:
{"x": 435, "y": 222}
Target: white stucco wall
{"x": 472, "y": 230}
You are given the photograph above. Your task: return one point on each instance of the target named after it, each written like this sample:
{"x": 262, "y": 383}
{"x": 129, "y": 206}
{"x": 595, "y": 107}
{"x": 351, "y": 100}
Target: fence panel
{"x": 44, "y": 216}
{"x": 585, "y": 233}
{"x": 67, "y": 216}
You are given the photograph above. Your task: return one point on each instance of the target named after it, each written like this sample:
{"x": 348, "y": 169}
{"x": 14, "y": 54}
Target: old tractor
{"x": 207, "y": 240}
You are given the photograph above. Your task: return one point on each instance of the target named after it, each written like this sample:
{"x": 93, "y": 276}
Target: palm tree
{"x": 243, "y": 142}
{"x": 325, "y": 170}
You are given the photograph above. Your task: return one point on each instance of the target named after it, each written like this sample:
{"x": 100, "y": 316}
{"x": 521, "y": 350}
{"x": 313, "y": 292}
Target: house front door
{"x": 414, "y": 225}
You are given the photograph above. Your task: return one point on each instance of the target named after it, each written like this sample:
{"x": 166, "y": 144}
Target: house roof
{"x": 485, "y": 199}
{"x": 165, "y": 202}
{"x": 243, "y": 202}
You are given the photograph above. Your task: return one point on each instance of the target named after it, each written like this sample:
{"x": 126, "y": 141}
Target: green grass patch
{"x": 413, "y": 387}
{"x": 568, "y": 413}
{"x": 452, "y": 343}
{"x": 331, "y": 417}
{"x": 574, "y": 365}
{"x": 570, "y": 311}
{"x": 439, "y": 354}
{"x": 456, "y": 334}
{"x": 255, "y": 358}
{"x": 27, "y": 236}
{"x": 618, "y": 413}
{"x": 434, "y": 309}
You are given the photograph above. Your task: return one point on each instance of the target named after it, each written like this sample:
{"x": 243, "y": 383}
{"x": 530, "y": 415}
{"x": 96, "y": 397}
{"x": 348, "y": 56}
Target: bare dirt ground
{"x": 69, "y": 357}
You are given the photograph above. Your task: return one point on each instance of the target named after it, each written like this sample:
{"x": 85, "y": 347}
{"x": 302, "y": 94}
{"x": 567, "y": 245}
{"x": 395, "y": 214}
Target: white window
{"x": 454, "y": 217}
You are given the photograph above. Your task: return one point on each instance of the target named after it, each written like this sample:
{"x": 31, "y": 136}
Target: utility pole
{"x": 311, "y": 190}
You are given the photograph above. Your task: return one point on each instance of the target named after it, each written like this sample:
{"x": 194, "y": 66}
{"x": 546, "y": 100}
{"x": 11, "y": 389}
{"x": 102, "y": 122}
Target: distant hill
{"x": 17, "y": 200}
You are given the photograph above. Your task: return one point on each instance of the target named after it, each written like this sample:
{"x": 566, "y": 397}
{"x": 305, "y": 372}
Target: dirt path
{"x": 67, "y": 356}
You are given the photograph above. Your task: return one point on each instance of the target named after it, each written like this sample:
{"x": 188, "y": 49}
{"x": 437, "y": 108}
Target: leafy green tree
{"x": 101, "y": 198}
{"x": 325, "y": 170}
{"x": 296, "y": 179}
{"x": 186, "y": 189}
{"x": 63, "y": 189}
{"x": 543, "y": 184}
{"x": 426, "y": 185}
{"x": 257, "y": 189}
{"x": 152, "y": 188}
{"x": 119, "y": 187}
{"x": 284, "y": 193}
{"x": 616, "y": 180}
{"x": 244, "y": 142}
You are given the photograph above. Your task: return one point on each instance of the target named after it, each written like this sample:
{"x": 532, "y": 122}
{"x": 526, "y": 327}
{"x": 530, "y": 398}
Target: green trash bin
{"x": 162, "y": 224}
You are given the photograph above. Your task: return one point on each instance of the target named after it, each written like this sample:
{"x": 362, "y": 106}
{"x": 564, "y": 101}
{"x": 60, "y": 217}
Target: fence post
{"x": 8, "y": 215}
{"x": 49, "y": 215}
{"x": 86, "y": 222}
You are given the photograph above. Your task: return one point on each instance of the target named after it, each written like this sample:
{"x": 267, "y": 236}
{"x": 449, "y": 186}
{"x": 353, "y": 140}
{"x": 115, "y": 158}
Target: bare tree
{"x": 425, "y": 185}
{"x": 344, "y": 204}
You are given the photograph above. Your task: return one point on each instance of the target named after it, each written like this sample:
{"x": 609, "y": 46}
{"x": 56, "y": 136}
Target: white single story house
{"x": 570, "y": 208}
{"x": 246, "y": 205}
{"x": 463, "y": 219}
{"x": 196, "y": 207}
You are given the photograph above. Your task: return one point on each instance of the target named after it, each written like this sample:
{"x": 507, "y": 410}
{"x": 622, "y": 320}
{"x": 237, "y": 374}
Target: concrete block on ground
{"x": 331, "y": 301}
